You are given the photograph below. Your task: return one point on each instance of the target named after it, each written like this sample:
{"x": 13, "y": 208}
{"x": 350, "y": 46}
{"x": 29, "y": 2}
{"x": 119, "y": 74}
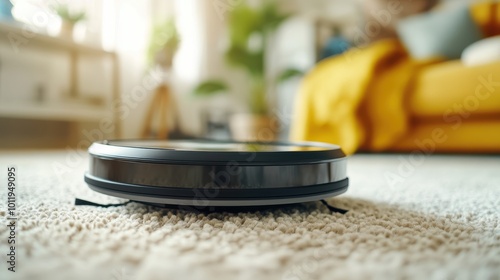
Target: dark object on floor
{"x": 206, "y": 174}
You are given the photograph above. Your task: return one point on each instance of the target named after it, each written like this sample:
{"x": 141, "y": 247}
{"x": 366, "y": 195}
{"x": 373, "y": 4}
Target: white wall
{"x": 132, "y": 28}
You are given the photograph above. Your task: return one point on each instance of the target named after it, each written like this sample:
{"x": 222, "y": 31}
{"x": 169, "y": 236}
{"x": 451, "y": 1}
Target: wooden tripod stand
{"x": 162, "y": 102}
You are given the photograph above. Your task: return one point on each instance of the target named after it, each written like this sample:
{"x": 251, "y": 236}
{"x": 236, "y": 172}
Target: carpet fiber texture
{"x": 410, "y": 217}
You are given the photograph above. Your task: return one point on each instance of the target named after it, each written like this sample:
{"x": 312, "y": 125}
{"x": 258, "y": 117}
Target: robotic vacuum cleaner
{"x": 208, "y": 173}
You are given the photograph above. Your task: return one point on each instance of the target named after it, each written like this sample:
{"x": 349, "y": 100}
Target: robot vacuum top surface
{"x": 206, "y": 151}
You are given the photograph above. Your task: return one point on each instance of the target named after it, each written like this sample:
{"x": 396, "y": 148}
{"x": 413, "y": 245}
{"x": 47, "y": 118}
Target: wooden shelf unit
{"x": 70, "y": 109}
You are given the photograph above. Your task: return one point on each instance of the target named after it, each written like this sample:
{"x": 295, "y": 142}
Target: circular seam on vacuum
{"x": 215, "y": 192}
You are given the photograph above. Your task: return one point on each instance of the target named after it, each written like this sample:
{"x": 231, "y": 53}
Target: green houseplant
{"x": 69, "y": 19}
{"x": 250, "y": 30}
{"x": 163, "y": 44}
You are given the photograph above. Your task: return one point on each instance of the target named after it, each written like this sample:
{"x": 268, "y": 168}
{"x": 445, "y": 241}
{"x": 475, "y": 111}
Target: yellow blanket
{"x": 339, "y": 102}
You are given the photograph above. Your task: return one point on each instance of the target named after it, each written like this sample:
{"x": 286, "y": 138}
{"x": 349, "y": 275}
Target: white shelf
{"x": 54, "y": 111}
{"x": 47, "y": 41}
{"x": 75, "y": 110}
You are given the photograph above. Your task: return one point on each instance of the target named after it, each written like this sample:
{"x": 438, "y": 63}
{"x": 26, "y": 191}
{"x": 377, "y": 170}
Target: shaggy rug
{"x": 410, "y": 217}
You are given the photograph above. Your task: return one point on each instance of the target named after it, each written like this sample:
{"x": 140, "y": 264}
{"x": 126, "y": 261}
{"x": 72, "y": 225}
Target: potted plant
{"x": 250, "y": 30}
{"x": 163, "y": 46}
{"x": 69, "y": 19}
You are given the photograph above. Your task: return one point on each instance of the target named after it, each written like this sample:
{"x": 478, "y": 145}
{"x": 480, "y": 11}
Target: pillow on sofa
{"x": 386, "y": 13}
{"x": 482, "y": 52}
{"x": 442, "y": 33}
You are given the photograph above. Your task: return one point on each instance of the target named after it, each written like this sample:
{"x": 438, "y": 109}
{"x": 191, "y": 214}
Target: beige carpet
{"x": 438, "y": 220}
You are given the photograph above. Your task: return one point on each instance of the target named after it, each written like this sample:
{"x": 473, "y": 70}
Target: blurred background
{"x": 74, "y": 72}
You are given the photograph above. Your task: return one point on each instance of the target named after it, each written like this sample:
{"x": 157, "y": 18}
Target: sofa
{"x": 382, "y": 99}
